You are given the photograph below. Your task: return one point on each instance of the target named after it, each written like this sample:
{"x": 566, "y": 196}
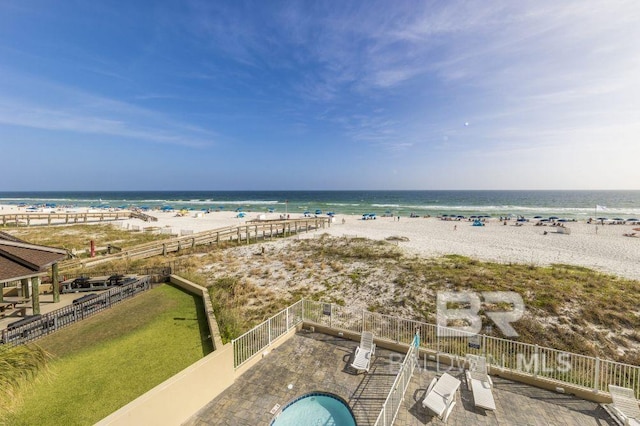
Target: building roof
{"x": 19, "y": 259}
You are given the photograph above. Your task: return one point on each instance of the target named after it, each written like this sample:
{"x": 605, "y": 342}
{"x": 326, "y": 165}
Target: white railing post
{"x": 362, "y": 330}
{"x": 287, "y": 327}
{"x": 269, "y": 328}
{"x": 536, "y": 361}
{"x": 596, "y": 378}
{"x": 331, "y": 316}
{"x": 437, "y": 348}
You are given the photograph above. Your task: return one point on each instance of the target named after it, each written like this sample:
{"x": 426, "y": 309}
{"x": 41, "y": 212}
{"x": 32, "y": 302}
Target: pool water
{"x": 315, "y": 409}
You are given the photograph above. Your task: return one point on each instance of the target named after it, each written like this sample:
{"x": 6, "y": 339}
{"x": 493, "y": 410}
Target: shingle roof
{"x": 13, "y": 270}
{"x": 9, "y": 237}
{"x": 19, "y": 259}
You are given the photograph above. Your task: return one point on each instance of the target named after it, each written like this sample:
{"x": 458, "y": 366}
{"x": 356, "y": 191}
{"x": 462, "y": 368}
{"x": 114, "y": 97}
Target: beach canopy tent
{"x": 26, "y": 262}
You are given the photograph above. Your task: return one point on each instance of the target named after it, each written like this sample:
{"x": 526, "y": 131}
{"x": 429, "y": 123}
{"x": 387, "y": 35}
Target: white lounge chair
{"x": 441, "y": 396}
{"x": 624, "y": 407}
{"x": 364, "y": 352}
{"x": 479, "y": 382}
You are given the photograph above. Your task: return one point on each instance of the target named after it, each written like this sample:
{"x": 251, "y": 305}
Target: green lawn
{"x": 104, "y": 362}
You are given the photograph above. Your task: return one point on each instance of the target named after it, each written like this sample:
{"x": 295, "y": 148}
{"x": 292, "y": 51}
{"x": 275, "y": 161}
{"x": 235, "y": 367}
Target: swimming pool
{"x": 316, "y": 408}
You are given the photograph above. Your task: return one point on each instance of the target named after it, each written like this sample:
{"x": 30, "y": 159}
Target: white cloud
{"x": 36, "y": 103}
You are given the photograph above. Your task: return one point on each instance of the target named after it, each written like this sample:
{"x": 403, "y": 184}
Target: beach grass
{"x": 78, "y": 237}
{"x": 106, "y": 361}
{"x": 19, "y": 365}
{"x": 568, "y": 307}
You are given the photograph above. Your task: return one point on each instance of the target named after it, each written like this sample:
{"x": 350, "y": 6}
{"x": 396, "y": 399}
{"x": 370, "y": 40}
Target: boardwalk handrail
{"x": 75, "y": 217}
{"x": 244, "y": 232}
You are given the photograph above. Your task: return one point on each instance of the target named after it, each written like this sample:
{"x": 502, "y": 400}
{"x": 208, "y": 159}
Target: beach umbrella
{"x": 563, "y": 220}
{"x": 318, "y": 211}
{"x": 633, "y": 220}
{"x": 306, "y": 212}
{"x": 239, "y": 209}
{"x": 537, "y": 217}
{"x": 553, "y": 218}
{"x": 602, "y": 218}
{"x": 460, "y": 217}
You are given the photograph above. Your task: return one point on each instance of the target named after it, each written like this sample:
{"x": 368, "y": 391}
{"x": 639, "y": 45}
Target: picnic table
{"x": 10, "y": 306}
{"x": 7, "y": 305}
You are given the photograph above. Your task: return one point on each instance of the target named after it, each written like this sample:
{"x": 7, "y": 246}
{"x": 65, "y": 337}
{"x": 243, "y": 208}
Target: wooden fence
{"x": 253, "y": 231}
{"x": 67, "y": 218}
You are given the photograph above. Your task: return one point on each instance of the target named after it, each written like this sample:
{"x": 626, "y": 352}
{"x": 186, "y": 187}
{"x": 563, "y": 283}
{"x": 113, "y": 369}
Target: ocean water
{"x": 565, "y": 204}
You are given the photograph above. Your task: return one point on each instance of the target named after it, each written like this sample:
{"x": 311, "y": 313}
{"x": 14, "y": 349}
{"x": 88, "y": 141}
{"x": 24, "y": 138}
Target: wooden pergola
{"x": 28, "y": 263}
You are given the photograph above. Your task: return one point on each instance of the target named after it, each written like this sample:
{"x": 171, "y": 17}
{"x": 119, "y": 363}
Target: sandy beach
{"x": 604, "y": 249}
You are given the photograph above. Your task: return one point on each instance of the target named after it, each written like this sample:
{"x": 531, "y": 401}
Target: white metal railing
{"x": 502, "y": 354}
{"x": 263, "y": 335}
{"x": 392, "y": 404}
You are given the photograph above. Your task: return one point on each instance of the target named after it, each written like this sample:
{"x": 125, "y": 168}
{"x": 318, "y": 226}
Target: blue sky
{"x": 153, "y": 95}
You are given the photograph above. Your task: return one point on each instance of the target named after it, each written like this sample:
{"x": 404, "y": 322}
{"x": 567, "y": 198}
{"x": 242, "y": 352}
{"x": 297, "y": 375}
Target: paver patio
{"x": 310, "y": 362}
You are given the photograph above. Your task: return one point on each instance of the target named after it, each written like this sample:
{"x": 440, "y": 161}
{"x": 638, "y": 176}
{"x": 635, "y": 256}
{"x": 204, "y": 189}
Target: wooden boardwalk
{"x": 70, "y": 218}
{"x": 251, "y": 231}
